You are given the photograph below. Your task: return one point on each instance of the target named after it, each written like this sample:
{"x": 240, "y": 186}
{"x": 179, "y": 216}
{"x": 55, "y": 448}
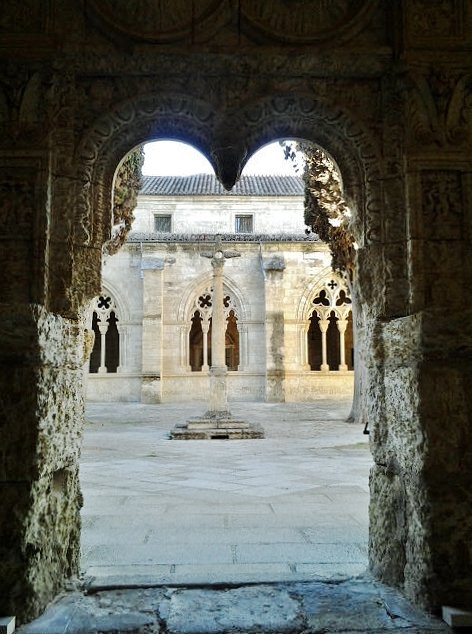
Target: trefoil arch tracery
{"x": 103, "y": 319}
{"x": 199, "y": 335}
{"x": 328, "y": 327}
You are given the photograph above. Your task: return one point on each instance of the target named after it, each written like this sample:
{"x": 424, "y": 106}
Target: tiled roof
{"x": 208, "y": 185}
{"x": 141, "y": 236}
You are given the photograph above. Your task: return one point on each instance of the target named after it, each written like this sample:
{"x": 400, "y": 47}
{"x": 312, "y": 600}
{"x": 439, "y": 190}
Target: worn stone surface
{"x": 347, "y": 606}
{"x": 385, "y": 89}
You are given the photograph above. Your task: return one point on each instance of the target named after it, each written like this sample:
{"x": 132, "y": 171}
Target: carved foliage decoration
{"x": 103, "y": 147}
{"x": 440, "y": 108}
{"x": 442, "y": 204}
{"x": 327, "y": 124}
{"x": 443, "y": 230}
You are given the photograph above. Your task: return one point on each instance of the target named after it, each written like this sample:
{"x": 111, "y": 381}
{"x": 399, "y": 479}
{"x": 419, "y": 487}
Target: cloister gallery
{"x": 289, "y": 325}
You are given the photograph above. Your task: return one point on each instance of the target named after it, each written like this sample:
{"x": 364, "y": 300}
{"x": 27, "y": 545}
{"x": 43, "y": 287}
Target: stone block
{"x": 455, "y": 617}
{"x": 7, "y": 624}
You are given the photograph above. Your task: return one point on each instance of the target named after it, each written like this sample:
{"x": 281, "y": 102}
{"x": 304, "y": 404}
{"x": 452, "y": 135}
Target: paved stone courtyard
{"x": 190, "y": 537}
{"x": 292, "y": 506}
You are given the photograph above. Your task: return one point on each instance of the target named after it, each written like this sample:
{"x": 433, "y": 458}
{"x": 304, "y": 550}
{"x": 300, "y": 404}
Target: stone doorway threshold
{"x": 347, "y": 606}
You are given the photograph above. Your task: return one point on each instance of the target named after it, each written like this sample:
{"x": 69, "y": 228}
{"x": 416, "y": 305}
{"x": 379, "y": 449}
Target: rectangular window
{"x": 244, "y": 224}
{"x": 163, "y": 223}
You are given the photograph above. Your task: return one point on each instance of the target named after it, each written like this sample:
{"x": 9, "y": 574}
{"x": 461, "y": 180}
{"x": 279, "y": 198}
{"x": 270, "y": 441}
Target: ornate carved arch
{"x": 226, "y": 138}
{"x": 200, "y": 285}
{"x": 327, "y": 124}
{"x": 306, "y": 307}
{"x": 103, "y": 147}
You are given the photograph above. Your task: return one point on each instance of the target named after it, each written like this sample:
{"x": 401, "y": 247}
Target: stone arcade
{"x": 289, "y": 316}
{"x": 386, "y": 89}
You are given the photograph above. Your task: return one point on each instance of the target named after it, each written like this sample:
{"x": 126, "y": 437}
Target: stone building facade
{"x": 152, "y": 321}
{"x": 385, "y": 88}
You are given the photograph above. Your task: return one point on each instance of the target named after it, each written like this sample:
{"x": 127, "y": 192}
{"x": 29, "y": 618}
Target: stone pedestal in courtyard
{"x": 218, "y": 421}
{"x": 216, "y": 426}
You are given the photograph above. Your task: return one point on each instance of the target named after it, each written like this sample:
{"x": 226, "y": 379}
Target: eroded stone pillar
{"x": 421, "y": 416}
{"x": 41, "y": 397}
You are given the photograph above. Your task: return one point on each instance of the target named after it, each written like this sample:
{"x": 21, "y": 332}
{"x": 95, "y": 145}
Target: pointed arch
{"x": 325, "y": 315}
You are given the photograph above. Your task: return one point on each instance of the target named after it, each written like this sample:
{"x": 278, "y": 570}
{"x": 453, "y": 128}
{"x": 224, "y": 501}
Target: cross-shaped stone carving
{"x": 218, "y": 255}
{"x": 332, "y": 285}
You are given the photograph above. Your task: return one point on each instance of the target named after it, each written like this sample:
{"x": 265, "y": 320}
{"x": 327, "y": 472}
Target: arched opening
{"x": 232, "y": 342}
{"x": 330, "y": 336}
{"x": 185, "y": 338}
{"x": 105, "y": 355}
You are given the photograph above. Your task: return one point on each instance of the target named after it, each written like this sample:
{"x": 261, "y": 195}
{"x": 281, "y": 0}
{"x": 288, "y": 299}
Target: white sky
{"x": 165, "y": 158}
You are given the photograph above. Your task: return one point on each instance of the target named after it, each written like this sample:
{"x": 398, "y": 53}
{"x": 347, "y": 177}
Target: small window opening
{"x": 244, "y": 224}
{"x": 163, "y": 223}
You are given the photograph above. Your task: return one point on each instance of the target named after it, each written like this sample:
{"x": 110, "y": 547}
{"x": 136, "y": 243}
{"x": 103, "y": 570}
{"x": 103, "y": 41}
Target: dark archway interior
{"x": 385, "y": 89}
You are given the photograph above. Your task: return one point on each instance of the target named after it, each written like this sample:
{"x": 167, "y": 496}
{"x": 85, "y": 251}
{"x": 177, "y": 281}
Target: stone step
{"x": 210, "y": 423}
{"x": 216, "y": 433}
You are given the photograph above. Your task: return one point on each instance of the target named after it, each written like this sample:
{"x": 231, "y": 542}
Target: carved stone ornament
{"x": 433, "y": 18}
{"x": 306, "y": 21}
{"x": 161, "y": 21}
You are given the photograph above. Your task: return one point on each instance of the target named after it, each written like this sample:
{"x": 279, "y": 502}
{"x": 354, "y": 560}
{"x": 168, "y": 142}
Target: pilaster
{"x": 153, "y": 272}
{"x": 274, "y": 330}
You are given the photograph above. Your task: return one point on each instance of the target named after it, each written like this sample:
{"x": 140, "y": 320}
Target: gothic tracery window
{"x": 200, "y": 333}
{"x": 330, "y": 335}
{"x": 105, "y": 356}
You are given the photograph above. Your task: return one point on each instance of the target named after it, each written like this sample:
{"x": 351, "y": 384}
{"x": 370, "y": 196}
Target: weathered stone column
{"x": 103, "y": 328}
{"x": 218, "y": 370}
{"x": 341, "y": 324}
{"x": 205, "y": 329}
{"x": 323, "y": 325}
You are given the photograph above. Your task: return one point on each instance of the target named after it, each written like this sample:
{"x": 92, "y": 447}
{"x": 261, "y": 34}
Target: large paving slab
{"x": 352, "y": 606}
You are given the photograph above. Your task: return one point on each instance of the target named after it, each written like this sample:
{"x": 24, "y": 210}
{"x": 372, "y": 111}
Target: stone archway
{"x": 403, "y": 481}
{"x": 227, "y": 139}
{"x": 375, "y": 193}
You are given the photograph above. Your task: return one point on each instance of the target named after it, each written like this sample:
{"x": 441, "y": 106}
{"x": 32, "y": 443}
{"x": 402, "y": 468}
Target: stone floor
{"x": 264, "y": 535}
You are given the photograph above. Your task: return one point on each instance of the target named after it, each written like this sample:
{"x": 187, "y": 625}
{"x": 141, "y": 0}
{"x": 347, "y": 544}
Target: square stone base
{"x": 216, "y": 427}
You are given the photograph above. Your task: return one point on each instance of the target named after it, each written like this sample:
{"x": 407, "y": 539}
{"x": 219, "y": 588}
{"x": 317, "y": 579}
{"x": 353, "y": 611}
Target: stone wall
{"x": 385, "y": 88}
{"x": 40, "y": 436}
